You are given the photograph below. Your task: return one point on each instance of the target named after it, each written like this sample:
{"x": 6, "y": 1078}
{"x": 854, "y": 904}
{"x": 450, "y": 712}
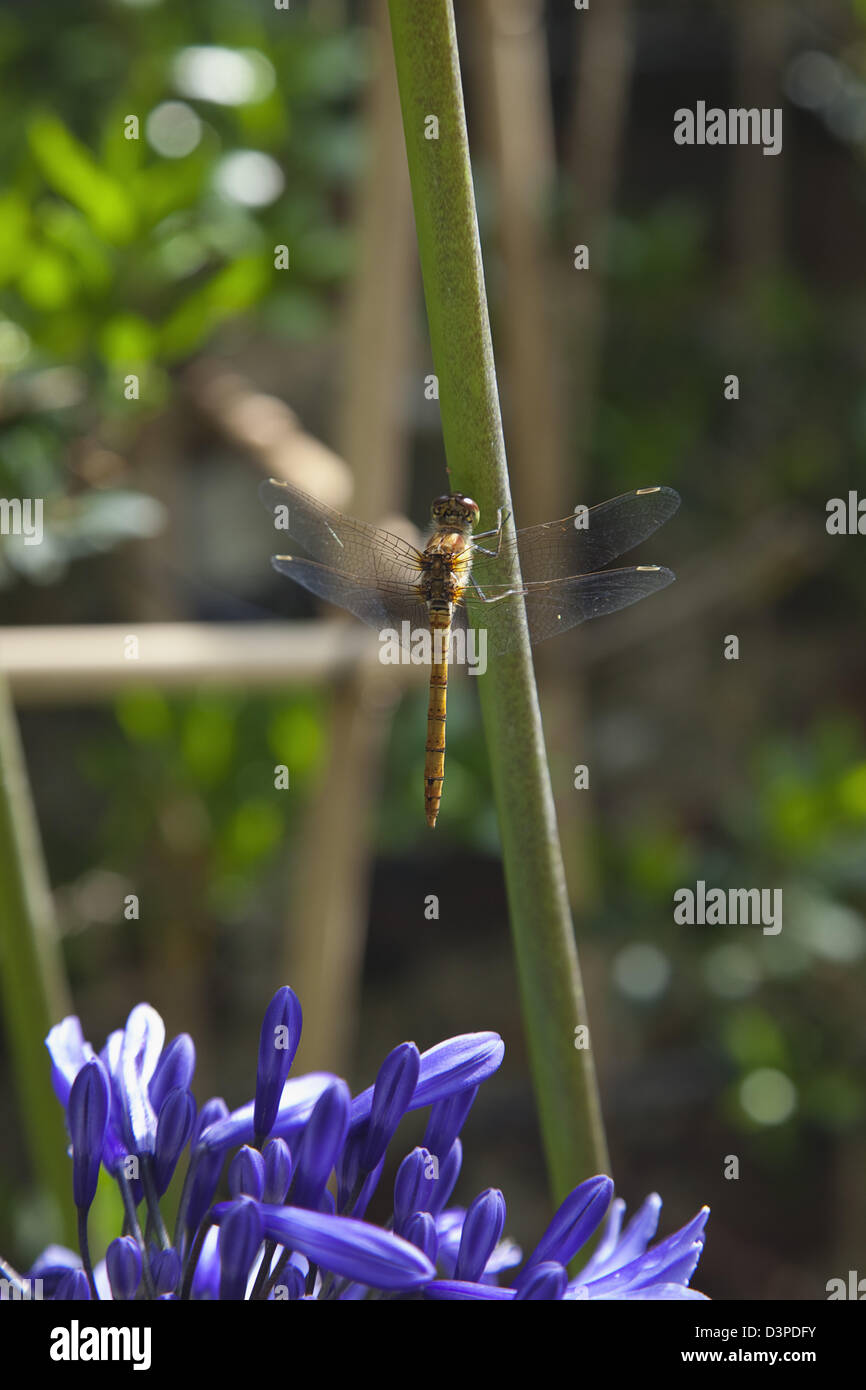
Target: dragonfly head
{"x": 455, "y": 512}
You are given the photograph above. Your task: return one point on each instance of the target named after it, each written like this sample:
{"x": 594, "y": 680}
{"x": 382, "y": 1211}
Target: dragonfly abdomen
{"x": 434, "y": 753}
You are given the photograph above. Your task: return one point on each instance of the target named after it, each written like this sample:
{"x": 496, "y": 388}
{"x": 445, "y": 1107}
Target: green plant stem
{"x": 31, "y": 970}
{"x": 428, "y": 73}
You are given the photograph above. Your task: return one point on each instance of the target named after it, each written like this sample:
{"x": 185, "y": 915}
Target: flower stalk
{"x": 32, "y": 978}
{"x": 428, "y": 72}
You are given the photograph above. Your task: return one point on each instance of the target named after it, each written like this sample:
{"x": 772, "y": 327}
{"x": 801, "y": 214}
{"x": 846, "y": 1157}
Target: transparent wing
{"x": 364, "y": 553}
{"x": 555, "y": 607}
{"x": 558, "y": 548}
{"x": 382, "y": 604}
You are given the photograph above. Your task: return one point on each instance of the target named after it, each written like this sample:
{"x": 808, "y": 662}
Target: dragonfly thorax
{"x": 445, "y": 571}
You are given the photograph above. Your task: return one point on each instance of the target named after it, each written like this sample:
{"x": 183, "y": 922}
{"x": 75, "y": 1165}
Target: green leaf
{"x": 852, "y": 791}
{"x": 754, "y": 1039}
{"x": 144, "y": 716}
{"x": 295, "y": 735}
{"x": 47, "y": 281}
{"x": 252, "y": 832}
{"x": 208, "y": 740}
{"x": 127, "y": 341}
{"x": 70, "y": 169}
{"x": 70, "y": 231}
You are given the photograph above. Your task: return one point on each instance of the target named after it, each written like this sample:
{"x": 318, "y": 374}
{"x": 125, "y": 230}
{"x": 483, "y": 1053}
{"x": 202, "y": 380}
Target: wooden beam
{"x": 62, "y": 665}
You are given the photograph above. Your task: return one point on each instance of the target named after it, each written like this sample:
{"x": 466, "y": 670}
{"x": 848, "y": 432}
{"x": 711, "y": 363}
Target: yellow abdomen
{"x": 434, "y": 758}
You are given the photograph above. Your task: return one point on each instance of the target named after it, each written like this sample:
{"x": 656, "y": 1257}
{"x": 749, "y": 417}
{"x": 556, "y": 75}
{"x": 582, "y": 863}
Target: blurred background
{"x": 159, "y": 354}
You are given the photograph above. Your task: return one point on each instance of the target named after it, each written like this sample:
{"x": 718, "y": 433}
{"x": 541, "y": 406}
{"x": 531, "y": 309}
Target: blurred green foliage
{"x": 201, "y": 769}
{"x": 119, "y": 255}
{"x": 123, "y": 256}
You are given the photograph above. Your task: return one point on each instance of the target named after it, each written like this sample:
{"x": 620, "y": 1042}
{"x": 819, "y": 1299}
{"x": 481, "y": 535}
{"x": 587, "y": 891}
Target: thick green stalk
{"x": 31, "y": 972}
{"x": 428, "y": 73}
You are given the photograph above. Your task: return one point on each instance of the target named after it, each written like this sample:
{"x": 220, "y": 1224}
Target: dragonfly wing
{"x": 558, "y": 606}
{"x": 563, "y": 548}
{"x": 367, "y": 554}
{"x": 380, "y": 605}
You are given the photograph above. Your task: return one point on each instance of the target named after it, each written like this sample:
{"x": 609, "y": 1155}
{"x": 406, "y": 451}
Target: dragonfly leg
{"x": 501, "y": 518}
{"x": 509, "y": 593}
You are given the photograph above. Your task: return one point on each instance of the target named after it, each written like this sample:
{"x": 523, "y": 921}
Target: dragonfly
{"x": 396, "y": 587}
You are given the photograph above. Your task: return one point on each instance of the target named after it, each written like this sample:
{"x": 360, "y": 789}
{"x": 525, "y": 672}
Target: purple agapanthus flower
{"x": 257, "y": 1217}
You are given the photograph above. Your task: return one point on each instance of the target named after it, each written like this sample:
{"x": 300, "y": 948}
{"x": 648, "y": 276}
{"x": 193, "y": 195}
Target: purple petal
{"x": 664, "y": 1293}
{"x": 445, "y": 1069}
{"x": 447, "y": 1118}
{"x": 628, "y": 1246}
{"x": 673, "y": 1258}
{"x": 173, "y": 1129}
{"x": 420, "y": 1230}
{"x": 69, "y": 1052}
{"x": 413, "y": 1186}
{"x": 574, "y": 1222}
{"x": 296, "y": 1105}
{"x": 506, "y": 1255}
{"x": 278, "y": 1043}
{"x": 392, "y": 1095}
{"x": 247, "y": 1174}
{"x": 449, "y": 1228}
{"x": 174, "y": 1070}
{"x": 205, "y": 1167}
{"x": 123, "y": 1263}
{"x": 449, "y": 1172}
{"x": 458, "y": 1289}
{"x": 73, "y": 1287}
{"x": 353, "y": 1249}
{"x": 51, "y": 1266}
{"x": 206, "y": 1280}
{"x": 165, "y": 1269}
{"x": 89, "y": 1101}
{"x": 604, "y": 1250}
{"x": 143, "y": 1038}
{"x": 321, "y": 1144}
{"x": 370, "y": 1183}
{"x": 482, "y": 1228}
{"x": 239, "y": 1241}
{"x": 116, "y": 1146}
{"x": 546, "y": 1282}
{"x": 278, "y": 1171}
